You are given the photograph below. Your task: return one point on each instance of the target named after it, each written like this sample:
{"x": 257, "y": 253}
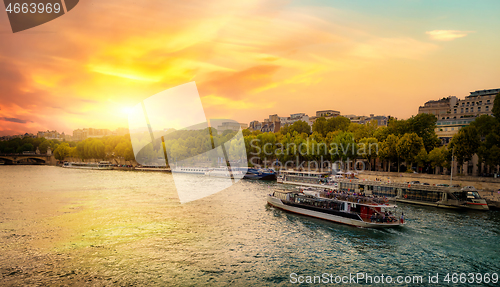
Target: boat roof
{"x": 334, "y": 199}
{"x": 402, "y": 185}
{"x": 303, "y": 171}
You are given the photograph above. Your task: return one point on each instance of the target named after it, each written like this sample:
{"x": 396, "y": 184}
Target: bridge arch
{"x": 6, "y": 160}
{"x": 37, "y": 160}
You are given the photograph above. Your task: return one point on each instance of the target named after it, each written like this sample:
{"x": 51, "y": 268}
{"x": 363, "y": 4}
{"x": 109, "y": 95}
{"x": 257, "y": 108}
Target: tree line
{"x": 92, "y": 148}
{"x": 338, "y": 139}
{"x": 413, "y": 141}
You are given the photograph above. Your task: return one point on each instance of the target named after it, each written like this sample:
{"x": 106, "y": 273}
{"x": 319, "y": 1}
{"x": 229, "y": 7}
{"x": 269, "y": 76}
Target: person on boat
{"x": 402, "y": 220}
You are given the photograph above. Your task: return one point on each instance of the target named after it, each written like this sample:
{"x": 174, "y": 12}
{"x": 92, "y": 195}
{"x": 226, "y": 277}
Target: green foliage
{"x": 25, "y": 147}
{"x": 465, "y": 143}
{"x": 343, "y": 147}
{"x": 299, "y": 127}
{"x": 422, "y": 158}
{"x": 496, "y": 107}
{"x": 485, "y": 124}
{"x": 437, "y": 156}
{"x": 388, "y": 148}
{"x": 369, "y": 149}
{"x": 62, "y": 151}
{"x": 424, "y": 126}
{"x": 44, "y": 146}
{"x": 409, "y": 146}
{"x": 336, "y": 124}
{"x": 246, "y": 132}
{"x": 320, "y": 126}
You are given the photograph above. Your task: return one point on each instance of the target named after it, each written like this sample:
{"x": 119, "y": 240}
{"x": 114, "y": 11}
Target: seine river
{"x": 68, "y": 226}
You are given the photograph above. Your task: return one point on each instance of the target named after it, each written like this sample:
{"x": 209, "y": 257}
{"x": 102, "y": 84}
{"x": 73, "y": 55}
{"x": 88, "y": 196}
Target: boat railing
{"x": 400, "y": 185}
{"x": 364, "y": 216}
{"x": 356, "y": 198}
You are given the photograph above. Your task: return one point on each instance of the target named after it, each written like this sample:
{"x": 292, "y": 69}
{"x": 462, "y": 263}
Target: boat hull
{"x": 309, "y": 184}
{"x": 268, "y": 176}
{"x": 90, "y": 167}
{"x": 152, "y": 169}
{"x": 473, "y": 206}
{"x": 193, "y": 172}
{"x": 276, "y": 202}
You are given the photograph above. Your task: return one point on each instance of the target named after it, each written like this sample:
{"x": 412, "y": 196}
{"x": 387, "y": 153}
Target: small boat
{"x": 359, "y": 211}
{"x": 261, "y": 174}
{"x": 106, "y": 165}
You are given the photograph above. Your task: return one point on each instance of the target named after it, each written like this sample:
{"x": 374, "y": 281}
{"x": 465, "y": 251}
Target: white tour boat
{"x": 347, "y": 209}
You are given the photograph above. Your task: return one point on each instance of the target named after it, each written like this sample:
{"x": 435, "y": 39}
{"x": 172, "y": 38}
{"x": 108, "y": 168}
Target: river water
{"x": 68, "y": 226}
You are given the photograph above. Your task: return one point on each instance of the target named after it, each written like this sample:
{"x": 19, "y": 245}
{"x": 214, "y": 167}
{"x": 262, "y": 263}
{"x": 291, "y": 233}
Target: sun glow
{"x": 126, "y": 110}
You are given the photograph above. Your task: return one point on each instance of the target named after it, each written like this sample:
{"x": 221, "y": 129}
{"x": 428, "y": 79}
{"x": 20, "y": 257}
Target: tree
{"x": 493, "y": 159}
{"x": 409, "y": 146}
{"x": 246, "y": 132}
{"x": 398, "y": 127}
{"x": 388, "y": 150}
{"x": 424, "y": 125}
{"x": 320, "y": 126}
{"x": 62, "y": 151}
{"x": 343, "y": 147}
{"x": 488, "y": 149}
{"x": 437, "y": 157}
{"x": 25, "y": 147}
{"x": 381, "y": 133}
{"x": 484, "y": 125}
{"x": 44, "y": 146}
{"x": 422, "y": 158}
{"x": 299, "y": 127}
{"x": 337, "y": 124}
{"x": 496, "y": 107}
{"x": 465, "y": 144}
{"x": 368, "y": 148}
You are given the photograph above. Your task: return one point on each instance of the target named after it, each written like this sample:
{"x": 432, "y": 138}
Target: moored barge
{"x": 446, "y": 197}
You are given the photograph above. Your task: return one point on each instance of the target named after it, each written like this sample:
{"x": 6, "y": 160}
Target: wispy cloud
{"x": 14, "y": 120}
{"x": 447, "y": 35}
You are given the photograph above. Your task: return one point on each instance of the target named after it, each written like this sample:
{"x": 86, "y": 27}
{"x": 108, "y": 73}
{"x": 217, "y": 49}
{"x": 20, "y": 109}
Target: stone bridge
{"x": 23, "y": 158}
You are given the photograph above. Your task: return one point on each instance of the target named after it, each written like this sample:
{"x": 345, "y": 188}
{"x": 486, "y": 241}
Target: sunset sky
{"x": 249, "y": 59}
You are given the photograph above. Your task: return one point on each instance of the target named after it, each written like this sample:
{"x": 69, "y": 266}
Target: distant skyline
{"x": 249, "y": 59}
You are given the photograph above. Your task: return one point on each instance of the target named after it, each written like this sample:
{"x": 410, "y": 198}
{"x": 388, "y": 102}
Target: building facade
{"x": 232, "y": 126}
{"x": 381, "y": 120}
{"x": 51, "y": 135}
{"x": 438, "y": 108}
{"x": 327, "y": 114}
{"x": 461, "y": 113}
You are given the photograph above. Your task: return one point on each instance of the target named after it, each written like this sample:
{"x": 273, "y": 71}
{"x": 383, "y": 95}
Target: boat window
{"x": 475, "y": 194}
